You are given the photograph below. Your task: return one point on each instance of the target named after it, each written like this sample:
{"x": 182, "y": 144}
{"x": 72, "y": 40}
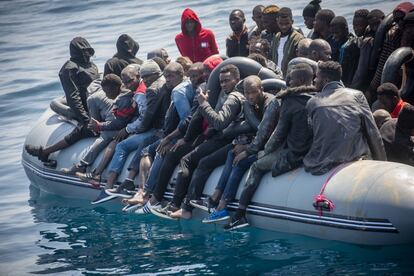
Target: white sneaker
{"x": 146, "y": 208}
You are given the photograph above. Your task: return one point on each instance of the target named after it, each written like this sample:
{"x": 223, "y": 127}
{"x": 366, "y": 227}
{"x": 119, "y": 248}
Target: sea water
{"x": 46, "y": 234}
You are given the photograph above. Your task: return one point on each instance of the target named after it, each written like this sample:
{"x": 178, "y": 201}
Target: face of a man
{"x": 309, "y": 21}
{"x": 257, "y": 18}
{"x": 253, "y": 93}
{"x": 190, "y": 26}
{"x": 236, "y": 21}
{"x": 196, "y": 76}
{"x": 387, "y": 102}
{"x": 149, "y": 79}
{"x": 130, "y": 83}
{"x": 320, "y": 80}
{"x": 172, "y": 79}
{"x": 339, "y": 33}
{"x": 270, "y": 22}
{"x": 359, "y": 24}
{"x": 227, "y": 82}
{"x": 325, "y": 53}
{"x": 285, "y": 24}
{"x": 374, "y": 23}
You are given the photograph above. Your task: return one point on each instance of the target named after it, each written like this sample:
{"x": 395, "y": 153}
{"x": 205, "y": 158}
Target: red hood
{"x": 187, "y": 15}
{"x": 404, "y": 7}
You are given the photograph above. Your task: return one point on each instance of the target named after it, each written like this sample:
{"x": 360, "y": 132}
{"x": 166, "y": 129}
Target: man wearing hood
{"x": 127, "y": 48}
{"x": 75, "y": 76}
{"x": 194, "y": 41}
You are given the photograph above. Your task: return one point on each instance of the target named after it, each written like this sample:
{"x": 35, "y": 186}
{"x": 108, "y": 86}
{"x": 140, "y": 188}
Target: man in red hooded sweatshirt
{"x": 194, "y": 41}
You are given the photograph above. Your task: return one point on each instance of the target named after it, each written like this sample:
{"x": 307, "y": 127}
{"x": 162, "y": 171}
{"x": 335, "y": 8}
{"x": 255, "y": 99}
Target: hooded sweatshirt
{"x": 201, "y": 45}
{"x": 76, "y": 75}
{"x": 127, "y": 48}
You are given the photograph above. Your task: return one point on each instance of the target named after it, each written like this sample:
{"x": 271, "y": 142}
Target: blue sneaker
{"x": 103, "y": 197}
{"x": 217, "y": 216}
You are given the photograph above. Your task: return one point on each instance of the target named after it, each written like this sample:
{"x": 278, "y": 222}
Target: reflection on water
{"x": 96, "y": 240}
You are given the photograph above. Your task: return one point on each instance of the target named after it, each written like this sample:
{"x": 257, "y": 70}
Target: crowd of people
{"x": 334, "y": 110}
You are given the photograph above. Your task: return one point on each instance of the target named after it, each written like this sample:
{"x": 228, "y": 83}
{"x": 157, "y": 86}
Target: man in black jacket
{"x": 289, "y": 142}
{"x": 237, "y": 44}
{"x": 75, "y": 76}
{"x": 127, "y": 48}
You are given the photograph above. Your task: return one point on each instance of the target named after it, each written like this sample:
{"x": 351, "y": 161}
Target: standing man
{"x": 255, "y": 31}
{"x": 194, "y": 41}
{"x": 237, "y": 44}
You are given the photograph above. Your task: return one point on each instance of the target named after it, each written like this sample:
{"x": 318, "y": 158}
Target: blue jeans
{"x": 232, "y": 175}
{"x": 134, "y": 142}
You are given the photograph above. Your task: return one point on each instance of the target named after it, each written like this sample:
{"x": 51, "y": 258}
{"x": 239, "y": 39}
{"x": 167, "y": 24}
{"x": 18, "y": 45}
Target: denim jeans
{"x": 123, "y": 149}
{"x": 232, "y": 175}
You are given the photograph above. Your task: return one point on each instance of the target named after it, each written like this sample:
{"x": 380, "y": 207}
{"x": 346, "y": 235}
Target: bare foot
{"x": 181, "y": 213}
{"x": 137, "y": 199}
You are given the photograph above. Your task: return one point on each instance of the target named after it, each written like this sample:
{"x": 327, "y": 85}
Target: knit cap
{"x": 149, "y": 67}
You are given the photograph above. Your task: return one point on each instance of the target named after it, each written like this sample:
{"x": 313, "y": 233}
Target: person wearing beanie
{"x": 308, "y": 14}
{"x": 285, "y": 42}
{"x": 348, "y": 54}
{"x": 127, "y": 48}
{"x": 158, "y": 98}
{"x": 194, "y": 41}
{"x": 161, "y": 53}
{"x": 398, "y": 136}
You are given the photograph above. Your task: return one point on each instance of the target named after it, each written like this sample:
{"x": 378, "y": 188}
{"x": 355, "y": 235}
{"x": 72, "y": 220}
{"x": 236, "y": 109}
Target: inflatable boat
{"x": 363, "y": 202}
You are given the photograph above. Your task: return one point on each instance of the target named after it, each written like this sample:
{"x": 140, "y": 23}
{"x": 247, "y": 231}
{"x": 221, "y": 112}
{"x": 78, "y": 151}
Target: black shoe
{"x": 206, "y": 204}
{"x": 236, "y": 223}
{"x": 125, "y": 190}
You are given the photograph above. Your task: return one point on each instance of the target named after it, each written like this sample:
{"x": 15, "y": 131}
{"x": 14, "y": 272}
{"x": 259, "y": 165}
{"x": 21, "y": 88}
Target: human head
{"x": 111, "y": 85}
{"x": 127, "y": 46}
{"x": 380, "y": 117}
{"x": 405, "y": 121}
{"x": 185, "y": 63}
{"x": 269, "y": 18}
{"x": 174, "y": 74}
{"x": 320, "y": 50}
{"x": 300, "y": 74}
{"x": 160, "y": 52}
{"x": 285, "y": 20}
{"x": 209, "y": 64}
{"x": 130, "y": 76}
{"x": 260, "y": 46}
{"x": 323, "y": 19}
{"x": 150, "y": 71}
{"x": 388, "y": 96}
{"x": 161, "y": 63}
{"x": 259, "y": 58}
{"x": 339, "y": 29}
{"x": 80, "y": 50}
{"x": 309, "y": 13}
{"x": 401, "y": 11}
{"x": 253, "y": 90}
{"x": 407, "y": 39}
{"x": 257, "y": 16}
{"x": 229, "y": 77}
{"x": 327, "y": 72}
{"x": 374, "y": 19}
{"x": 360, "y": 21}
{"x": 237, "y": 20}
{"x": 303, "y": 48}
{"x": 195, "y": 73}
{"x": 190, "y": 23}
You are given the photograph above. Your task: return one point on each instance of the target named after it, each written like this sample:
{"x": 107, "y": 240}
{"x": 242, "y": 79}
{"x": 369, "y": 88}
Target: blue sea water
{"x": 46, "y": 234}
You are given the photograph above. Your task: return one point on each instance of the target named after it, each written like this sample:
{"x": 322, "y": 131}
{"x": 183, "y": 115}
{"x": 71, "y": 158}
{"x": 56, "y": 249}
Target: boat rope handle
{"x": 321, "y": 202}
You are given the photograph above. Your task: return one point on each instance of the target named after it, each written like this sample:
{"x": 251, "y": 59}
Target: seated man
{"x": 288, "y": 143}
{"x": 127, "y": 48}
{"x": 261, "y": 46}
{"x": 182, "y": 96}
{"x": 348, "y": 49}
{"x": 203, "y": 136}
{"x": 398, "y": 136}
{"x": 286, "y": 41}
{"x": 389, "y": 99}
{"x": 237, "y": 44}
{"x": 320, "y": 50}
{"x": 75, "y": 76}
{"x": 343, "y": 127}
{"x": 261, "y": 112}
{"x": 120, "y": 113}
{"x": 161, "y": 53}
